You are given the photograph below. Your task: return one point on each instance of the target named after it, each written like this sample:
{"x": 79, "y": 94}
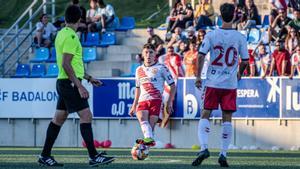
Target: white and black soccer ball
{"x": 139, "y": 152}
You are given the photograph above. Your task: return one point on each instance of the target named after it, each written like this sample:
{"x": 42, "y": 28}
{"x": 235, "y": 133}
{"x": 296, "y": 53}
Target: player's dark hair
{"x": 72, "y": 14}
{"x": 75, "y": 2}
{"x": 148, "y": 46}
{"x": 227, "y": 12}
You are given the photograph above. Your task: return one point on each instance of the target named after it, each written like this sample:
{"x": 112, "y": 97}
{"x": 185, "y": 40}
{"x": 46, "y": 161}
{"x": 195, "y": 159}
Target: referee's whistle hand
{"x": 83, "y": 92}
{"x": 96, "y": 82}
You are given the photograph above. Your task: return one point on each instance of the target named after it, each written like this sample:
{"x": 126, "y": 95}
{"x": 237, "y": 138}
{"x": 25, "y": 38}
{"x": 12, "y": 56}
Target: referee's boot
{"x": 202, "y": 155}
{"x": 49, "y": 161}
{"x": 100, "y": 159}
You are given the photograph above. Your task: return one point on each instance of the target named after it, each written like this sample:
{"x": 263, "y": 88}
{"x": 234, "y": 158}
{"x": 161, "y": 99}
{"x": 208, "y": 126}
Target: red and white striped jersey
{"x": 151, "y": 80}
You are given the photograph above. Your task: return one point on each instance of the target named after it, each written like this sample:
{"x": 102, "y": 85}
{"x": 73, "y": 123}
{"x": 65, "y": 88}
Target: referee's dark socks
{"x": 87, "y": 135}
{"x": 52, "y": 133}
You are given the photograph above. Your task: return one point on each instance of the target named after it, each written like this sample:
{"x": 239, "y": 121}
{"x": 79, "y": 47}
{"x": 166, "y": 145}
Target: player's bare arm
{"x": 66, "y": 64}
{"x": 198, "y": 82}
{"x": 135, "y": 102}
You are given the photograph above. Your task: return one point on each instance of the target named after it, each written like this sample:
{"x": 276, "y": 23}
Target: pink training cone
{"x": 107, "y": 144}
{"x": 97, "y": 143}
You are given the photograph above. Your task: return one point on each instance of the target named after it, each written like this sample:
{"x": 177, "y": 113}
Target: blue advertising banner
{"x": 256, "y": 98}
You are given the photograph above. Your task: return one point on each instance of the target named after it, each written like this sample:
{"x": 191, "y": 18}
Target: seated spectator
{"x": 185, "y": 17}
{"x": 280, "y": 61}
{"x": 294, "y": 4}
{"x": 91, "y": 16}
{"x": 295, "y": 23}
{"x": 156, "y": 41}
{"x": 204, "y": 14}
{"x": 295, "y": 63}
{"x": 292, "y": 41}
{"x": 277, "y": 5}
{"x": 200, "y": 37}
{"x": 182, "y": 48}
{"x": 190, "y": 61}
{"x": 250, "y": 17}
{"x": 176, "y": 38}
{"x": 278, "y": 29}
{"x": 191, "y": 37}
{"x": 45, "y": 32}
{"x": 263, "y": 59}
{"x": 173, "y": 15}
{"x": 173, "y": 62}
{"x": 106, "y": 15}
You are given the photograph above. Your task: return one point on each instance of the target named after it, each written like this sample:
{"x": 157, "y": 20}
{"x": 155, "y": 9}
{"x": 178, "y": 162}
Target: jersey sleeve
{"x": 205, "y": 46}
{"x": 243, "y": 50}
{"x": 137, "y": 81}
{"x": 110, "y": 10}
{"x": 70, "y": 45}
{"x": 167, "y": 75}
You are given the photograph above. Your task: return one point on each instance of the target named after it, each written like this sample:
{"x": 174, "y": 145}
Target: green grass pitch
{"x": 76, "y": 158}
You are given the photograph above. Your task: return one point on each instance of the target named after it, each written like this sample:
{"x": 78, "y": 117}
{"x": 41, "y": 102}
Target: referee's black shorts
{"x": 68, "y": 97}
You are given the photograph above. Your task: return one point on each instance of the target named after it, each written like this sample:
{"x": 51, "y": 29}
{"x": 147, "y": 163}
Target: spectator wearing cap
{"x": 204, "y": 14}
{"x": 292, "y": 40}
{"x": 156, "y": 41}
{"x": 45, "y": 32}
{"x": 295, "y": 62}
{"x": 278, "y": 30}
{"x": 280, "y": 60}
{"x": 190, "y": 61}
{"x": 276, "y": 5}
{"x": 295, "y": 23}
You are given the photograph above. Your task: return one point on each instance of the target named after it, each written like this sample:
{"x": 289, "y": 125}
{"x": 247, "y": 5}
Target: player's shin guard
{"x": 52, "y": 133}
{"x": 203, "y": 131}
{"x": 226, "y": 137}
{"x": 87, "y": 135}
{"x": 147, "y": 129}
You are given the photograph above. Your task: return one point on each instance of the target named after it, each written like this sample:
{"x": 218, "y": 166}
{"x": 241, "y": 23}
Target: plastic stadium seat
{"x": 126, "y": 24}
{"x": 108, "y": 38}
{"x": 23, "y": 70}
{"x": 89, "y": 54}
{"x": 41, "y": 55}
{"x": 52, "y": 70}
{"x": 52, "y": 57}
{"x": 114, "y": 25}
{"x": 218, "y": 21}
{"x": 266, "y": 21}
{"x": 38, "y": 70}
{"x": 133, "y": 68}
{"x": 92, "y": 39}
{"x": 254, "y": 36}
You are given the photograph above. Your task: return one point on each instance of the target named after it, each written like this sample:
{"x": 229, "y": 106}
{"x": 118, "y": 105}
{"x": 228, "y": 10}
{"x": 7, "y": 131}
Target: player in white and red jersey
{"x": 225, "y": 46}
{"x": 150, "y": 78}
{"x": 174, "y": 63}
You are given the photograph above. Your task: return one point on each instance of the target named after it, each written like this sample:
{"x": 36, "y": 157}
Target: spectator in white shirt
{"x": 44, "y": 32}
{"x": 106, "y": 15}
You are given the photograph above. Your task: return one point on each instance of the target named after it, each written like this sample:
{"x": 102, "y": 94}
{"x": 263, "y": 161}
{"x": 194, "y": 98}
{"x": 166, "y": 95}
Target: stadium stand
{"x": 40, "y": 55}
{"x": 133, "y": 68}
{"x": 52, "y": 57}
{"x": 89, "y": 54}
{"x": 52, "y": 71}
{"x": 127, "y": 23}
{"x": 23, "y": 70}
{"x": 38, "y": 70}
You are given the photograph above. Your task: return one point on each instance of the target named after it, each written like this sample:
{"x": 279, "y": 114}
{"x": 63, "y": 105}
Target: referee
{"x": 73, "y": 96}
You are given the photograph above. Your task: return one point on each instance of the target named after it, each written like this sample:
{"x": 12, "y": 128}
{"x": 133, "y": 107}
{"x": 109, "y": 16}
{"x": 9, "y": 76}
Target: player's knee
{"x": 86, "y": 117}
{"x": 59, "y": 120}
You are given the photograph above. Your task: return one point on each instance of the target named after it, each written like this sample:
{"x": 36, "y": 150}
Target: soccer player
{"x": 225, "y": 45}
{"x": 73, "y": 96}
{"x": 150, "y": 78}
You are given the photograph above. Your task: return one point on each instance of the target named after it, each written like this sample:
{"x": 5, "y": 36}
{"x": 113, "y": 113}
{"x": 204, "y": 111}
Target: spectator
{"x": 295, "y": 62}
{"x": 263, "y": 60}
{"x": 182, "y": 48}
{"x": 176, "y": 38}
{"x": 253, "y": 67}
{"x": 278, "y": 29}
{"x": 204, "y": 14}
{"x": 280, "y": 61}
{"x": 106, "y": 15}
{"x": 91, "y": 16}
{"x": 185, "y": 17}
{"x": 250, "y": 17}
{"x": 45, "y": 32}
{"x": 156, "y": 41}
{"x": 191, "y": 61}
{"x": 191, "y": 37}
{"x": 292, "y": 41}
{"x": 200, "y": 37}
{"x": 295, "y": 23}
{"x": 276, "y": 5}
{"x": 294, "y": 4}
{"x": 174, "y": 14}
{"x": 82, "y": 26}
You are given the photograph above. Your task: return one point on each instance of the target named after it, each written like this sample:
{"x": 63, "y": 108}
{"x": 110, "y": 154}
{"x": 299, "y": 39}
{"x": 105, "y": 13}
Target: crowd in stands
{"x": 275, "y": 53}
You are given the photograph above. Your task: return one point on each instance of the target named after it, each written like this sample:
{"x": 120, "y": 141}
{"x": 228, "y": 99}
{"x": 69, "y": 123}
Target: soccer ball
{"x": 139, "y": 152}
